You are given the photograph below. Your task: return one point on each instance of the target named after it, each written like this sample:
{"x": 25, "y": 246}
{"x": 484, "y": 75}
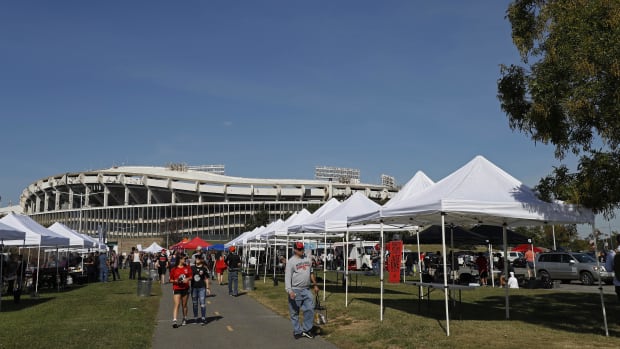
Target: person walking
{"x": 612, "y": 263}
{"x": 200, "y": 286}
{"x": 180, "y": 277}
{"x": 233, "y": 263}
{"x": 529, "y": 258}
{"x": 298, "y": 278}
{"x": 483, "y": 268}
{"x": 162, "y": 265}
{"x": 114, "y": 263}
{"x": 220, "y": 267}
{"x": 104, "y": 265}
{"x": 135, "y": 268}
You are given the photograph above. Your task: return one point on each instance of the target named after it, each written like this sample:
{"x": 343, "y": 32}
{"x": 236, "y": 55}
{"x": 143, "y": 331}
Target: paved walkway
{"x": 233, "y": 322}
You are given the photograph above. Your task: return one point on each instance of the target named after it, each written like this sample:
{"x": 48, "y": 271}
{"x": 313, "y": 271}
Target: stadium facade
{"x": 140, "y": 202}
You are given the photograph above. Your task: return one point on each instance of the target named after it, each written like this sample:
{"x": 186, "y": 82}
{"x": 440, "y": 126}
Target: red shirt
{"x": 176, "y": 273}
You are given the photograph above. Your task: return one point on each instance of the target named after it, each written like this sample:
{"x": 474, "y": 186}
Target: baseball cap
{"x": 298, "y": 245}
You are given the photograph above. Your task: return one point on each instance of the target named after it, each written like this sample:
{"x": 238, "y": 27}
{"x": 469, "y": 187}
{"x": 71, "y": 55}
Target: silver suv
{"x": 568, "y": 266}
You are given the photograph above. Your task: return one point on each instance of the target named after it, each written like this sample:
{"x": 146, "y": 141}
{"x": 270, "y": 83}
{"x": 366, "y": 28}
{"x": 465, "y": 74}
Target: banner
{"x": 395, "y": 249}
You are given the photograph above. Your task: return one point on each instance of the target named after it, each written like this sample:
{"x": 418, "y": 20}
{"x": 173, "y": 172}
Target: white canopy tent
{"x": 75, "y": 238}
{"x": 153, "y": 248}
{"x": 97, "y": 245}
{"x": 316, "y": 215}
{"x": 480, "y": 192}
{"x": 336, "y": 221}
{"x": 418, "y": 183}
{"x": 8, "y": 233}
{"x": 36, "y": 235}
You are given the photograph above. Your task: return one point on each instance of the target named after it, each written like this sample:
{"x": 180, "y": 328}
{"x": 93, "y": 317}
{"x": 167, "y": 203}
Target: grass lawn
{"x": 538, "y": 318}
{"x": 112, "y": 315}
{"x": 98, "y": 315}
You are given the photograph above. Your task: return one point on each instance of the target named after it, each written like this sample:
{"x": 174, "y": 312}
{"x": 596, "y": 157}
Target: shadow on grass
{"x": 571, "y": 312}
{"x": 8, "y": 305}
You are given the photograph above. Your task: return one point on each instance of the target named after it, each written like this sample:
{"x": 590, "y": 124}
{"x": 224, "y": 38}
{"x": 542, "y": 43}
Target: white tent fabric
{"x": 153, "y": 248}
{"x": 295, "y": 219}
{"x": 236, "y": 240}
{"x": 36, "y": 234}
{"x": 75, "y": 238}
{"x": 481, "y": 192}
{"x": 9, "y": 233}
{"x": 336, "y": 219}
{"x": 326, "y": 207}
{"x": 418, "y": 183}
{"x": 97, "y": 245}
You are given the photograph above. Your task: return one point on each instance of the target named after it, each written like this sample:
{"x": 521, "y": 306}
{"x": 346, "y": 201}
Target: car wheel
{"x": 586, "y": 278}
{"x": 544, "y": 274}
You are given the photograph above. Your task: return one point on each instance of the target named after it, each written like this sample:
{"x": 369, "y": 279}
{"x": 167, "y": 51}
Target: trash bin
{"x": 144, "y": 287}
{"x": 153, "y": 274}
{"x": 248, "y": 281}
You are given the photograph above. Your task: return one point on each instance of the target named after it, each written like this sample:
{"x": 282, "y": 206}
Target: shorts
{"x": 184, "y": 292}
{"x": 530, "y": 265}
{"x": 484, "y": 274}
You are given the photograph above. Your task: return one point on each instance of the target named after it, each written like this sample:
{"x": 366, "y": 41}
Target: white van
{"x": 359, "y": 254}
{"x": 512, "y": 255}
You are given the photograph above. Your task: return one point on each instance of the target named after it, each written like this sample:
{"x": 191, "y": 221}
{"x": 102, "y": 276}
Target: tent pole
{"x": 275, "y": 255}
{"x": 445, "y": 271}
{"x": 506, "y": 263}
{"x": 600, "y": 286}
{"x": 417, "y": 237}
{"x": 491, "y": 263}
{"x": 324, "y": 264}
{"x": 346, "y": 271}
{"x": 36, "y": 285}
{"x": 266, "y": 259}
{"x": 381, "y": 273}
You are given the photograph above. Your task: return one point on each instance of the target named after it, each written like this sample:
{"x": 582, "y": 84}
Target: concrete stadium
{"x": 140, "y": 202}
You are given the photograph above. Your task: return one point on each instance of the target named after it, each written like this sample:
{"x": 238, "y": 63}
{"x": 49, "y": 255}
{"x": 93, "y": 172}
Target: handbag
{"x": 320, "y": 312}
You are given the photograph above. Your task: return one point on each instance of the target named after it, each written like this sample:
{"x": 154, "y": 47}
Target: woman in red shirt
{"x": 220, "y": 267}
{"x": 180, "y": 277}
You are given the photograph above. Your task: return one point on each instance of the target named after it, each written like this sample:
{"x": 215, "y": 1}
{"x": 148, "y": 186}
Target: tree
{"x": 568, "y": 94}
{"x": 258, "y": 219}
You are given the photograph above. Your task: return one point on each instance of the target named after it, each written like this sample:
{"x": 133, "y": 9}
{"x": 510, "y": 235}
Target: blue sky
{"x": 268, "y": 88}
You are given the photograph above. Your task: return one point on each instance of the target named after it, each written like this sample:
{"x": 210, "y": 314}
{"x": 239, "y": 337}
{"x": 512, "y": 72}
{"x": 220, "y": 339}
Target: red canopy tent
{"x": 525, "y": 247}
{"x": 194, "y": 243}
{"x": 179, "y": 245}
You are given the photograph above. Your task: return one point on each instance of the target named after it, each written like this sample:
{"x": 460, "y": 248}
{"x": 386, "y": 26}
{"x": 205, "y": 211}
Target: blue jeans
{"x": 199, "y": 296}
{"x": 303, "y": 301}
{"x": 103, "y": 274}
{"x": 233, "y": 282}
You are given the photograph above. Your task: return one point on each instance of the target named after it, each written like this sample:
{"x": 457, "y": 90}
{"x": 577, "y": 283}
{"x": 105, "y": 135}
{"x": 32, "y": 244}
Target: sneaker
{"x": 307, "y": 335}
{"x": 203, "y": 321}
{"x": 174, "y": 324}
{"x": 198, "y": 321}
{"x": 297, "y": 335}
{"x": 184, "y": 322}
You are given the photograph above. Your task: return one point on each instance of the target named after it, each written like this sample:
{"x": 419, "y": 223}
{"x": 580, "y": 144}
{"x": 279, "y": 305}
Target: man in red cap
{"x": 298, "y": 278}
{"x": 233, "y": 262}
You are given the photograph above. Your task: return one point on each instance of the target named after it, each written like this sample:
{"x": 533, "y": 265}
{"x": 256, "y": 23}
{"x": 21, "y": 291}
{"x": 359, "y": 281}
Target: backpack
{"x": 617, "y": 265}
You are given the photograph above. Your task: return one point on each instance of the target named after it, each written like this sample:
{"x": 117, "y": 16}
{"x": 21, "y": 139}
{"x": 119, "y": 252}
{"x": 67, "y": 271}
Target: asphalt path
{"x": 233, "y": 322}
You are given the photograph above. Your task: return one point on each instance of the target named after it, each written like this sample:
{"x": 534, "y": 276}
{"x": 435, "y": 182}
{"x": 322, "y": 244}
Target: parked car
{"x": 568, "y": 266}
